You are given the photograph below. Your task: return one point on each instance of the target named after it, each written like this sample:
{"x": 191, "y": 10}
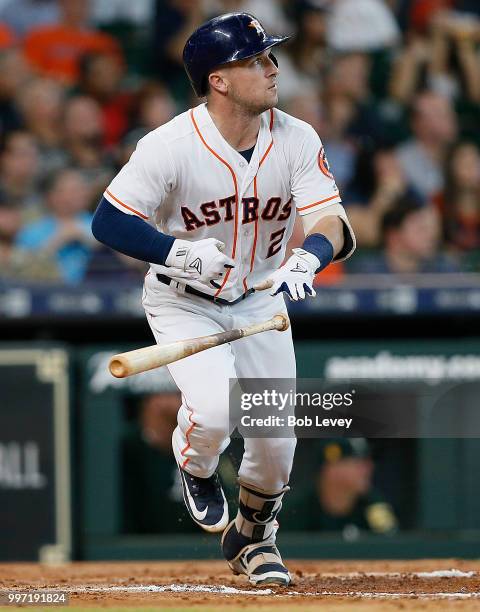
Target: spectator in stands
{"x": 408, "y": 68}
{"x": 460, "y": 202}
{"x": 339, "y": 113}
{"x": 411, "y": 238}
{"x": 105, "y": 263}
{"x": 128, "y": 146}
{"x": 64, "y": 233}
{"x": 341, "y": 495}
{"x": 107, "y": 12}
{"x": 454, "y": 60}
{"x": 100, "y": 78}
{"x": 13, "y": 76}
{"x": 154, "y": 106}
{"x": 19, "y": 166}
{"x": 40, "y": 103}
{"x": 304, "y": 59}
{"x": 308, "y": 106}
{"x": 15, "y": 263}
{"x": 23, "y": 15}
{"x": 84, "y": 140}
{"x": 420, "y": 14}
{"x": 378, "y": 183}
{"x": 347, "y": 82}
{"x": 7, "y": 37}
{"x": 435, "y": 129}
{"x": 361, "y": 25}
{"x": 174, "y": 21}
{"x": 442, "y": 52}
{"x": 55, "y": 50}
{"x": 330, "y": 118}
{"x": 152, "y": 493}
{"x": 348, "y": 74}
{"x": 130, "y": 23}
{"x": 10, "y": 224}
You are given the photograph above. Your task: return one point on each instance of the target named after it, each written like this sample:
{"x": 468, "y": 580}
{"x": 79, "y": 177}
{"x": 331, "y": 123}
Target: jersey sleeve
{"x": 312, "y": 185}
{"x": 144, "y": 182}
{"x": 315, "y": 193}
{"x": 349, "y": 242}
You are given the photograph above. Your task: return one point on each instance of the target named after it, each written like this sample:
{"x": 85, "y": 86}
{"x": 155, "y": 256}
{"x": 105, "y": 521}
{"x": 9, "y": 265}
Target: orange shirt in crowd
{"x": 7, "y": 37}
{"x": 333, "y": 274}
{"x": 116, "y": 114}
{"x": 56, "y": 50}
{"x": 422, "y": 11}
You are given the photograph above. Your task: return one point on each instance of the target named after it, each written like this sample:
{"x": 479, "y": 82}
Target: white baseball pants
{"x": 203, "y": 430}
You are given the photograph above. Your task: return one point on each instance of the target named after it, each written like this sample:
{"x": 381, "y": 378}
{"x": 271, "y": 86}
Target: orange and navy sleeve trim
{"x": 136, "y": 212}
{"x": 333, "y": 197}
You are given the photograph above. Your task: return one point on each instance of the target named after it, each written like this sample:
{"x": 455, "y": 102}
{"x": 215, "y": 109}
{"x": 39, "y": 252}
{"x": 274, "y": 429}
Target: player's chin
{"x": 271, "y": 99}
{"x": 273, "y": 94}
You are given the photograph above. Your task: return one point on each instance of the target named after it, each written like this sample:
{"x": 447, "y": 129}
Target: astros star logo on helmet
{"x": 256, "y": 24}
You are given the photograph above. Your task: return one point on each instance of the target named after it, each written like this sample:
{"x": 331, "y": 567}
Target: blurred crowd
{"x": 392, "y": 87}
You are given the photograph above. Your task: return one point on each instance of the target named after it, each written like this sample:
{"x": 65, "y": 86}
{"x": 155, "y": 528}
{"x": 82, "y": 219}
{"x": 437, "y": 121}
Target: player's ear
{"x": 217, "y": 82}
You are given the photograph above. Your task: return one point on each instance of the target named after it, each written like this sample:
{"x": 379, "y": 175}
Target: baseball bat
{"x": 150, "y": 357}
{"x": 266, "y": 284}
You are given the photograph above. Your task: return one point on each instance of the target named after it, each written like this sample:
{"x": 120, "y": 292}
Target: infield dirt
{"x": 208, "y": 585}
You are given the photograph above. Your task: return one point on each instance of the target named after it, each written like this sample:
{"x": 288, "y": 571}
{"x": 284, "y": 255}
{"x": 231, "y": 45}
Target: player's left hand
{"x": 295, "y": 277}
{"x": 200, "y": 260}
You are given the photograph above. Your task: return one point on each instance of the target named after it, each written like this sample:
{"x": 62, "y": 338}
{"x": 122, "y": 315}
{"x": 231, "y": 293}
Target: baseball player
{"x": 209, "y": 200}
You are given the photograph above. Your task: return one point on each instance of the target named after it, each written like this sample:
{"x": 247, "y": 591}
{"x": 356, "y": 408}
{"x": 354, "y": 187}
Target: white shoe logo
{"x": 196, "y": 513}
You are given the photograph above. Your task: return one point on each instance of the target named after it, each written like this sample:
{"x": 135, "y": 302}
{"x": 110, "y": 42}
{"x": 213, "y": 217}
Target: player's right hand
{"x": 295, "y": 277}
{"x": 200, "y": 260}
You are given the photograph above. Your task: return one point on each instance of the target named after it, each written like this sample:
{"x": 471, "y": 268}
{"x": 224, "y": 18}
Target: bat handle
{"x": 262, "y": 286}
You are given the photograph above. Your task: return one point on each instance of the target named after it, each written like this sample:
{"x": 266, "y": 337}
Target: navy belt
{"x": 166, "y": 280}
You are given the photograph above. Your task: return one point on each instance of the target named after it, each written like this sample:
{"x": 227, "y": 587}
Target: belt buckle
{"x": 177, "y": 286}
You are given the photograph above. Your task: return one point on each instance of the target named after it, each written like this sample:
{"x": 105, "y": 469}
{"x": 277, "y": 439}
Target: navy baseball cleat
{"x": 260, "y": 561}
{"x": 205, "y": 501}
{"x": 248, "y": 543}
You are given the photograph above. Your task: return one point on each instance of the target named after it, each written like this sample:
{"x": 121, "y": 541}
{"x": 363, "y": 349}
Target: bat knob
{"x": 117, "y": 367}
{"x": 281, "y": 322}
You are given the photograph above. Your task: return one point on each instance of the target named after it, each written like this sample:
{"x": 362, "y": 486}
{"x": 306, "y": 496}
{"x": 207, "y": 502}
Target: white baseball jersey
{"x": 190, "y": 183}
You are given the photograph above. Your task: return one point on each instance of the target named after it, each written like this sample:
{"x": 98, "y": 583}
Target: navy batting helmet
{"x": 224, "y": 39}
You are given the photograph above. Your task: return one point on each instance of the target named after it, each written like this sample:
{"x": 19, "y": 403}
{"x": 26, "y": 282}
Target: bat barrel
{"x": 150, "y": 357}
{"x": 141, "y": 360}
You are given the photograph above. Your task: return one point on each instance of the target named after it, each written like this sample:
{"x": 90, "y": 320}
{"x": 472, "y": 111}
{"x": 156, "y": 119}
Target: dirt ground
{"x": 208, "y": 585}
